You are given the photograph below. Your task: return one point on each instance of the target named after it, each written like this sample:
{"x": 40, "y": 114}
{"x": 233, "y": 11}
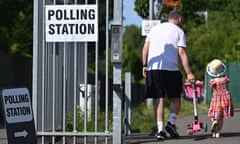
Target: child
{"x": 221, "y": 105}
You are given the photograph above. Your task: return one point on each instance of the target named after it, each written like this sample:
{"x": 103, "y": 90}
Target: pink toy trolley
{"x": 189, "y": 90}
{"x": 193, "y": 91}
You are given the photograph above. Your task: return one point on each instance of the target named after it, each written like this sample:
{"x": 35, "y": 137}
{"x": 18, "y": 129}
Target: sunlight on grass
{"x": 143, "y": 119}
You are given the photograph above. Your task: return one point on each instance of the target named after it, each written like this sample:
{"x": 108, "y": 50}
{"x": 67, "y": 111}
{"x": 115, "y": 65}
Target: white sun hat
{"x": 216, "y": 68}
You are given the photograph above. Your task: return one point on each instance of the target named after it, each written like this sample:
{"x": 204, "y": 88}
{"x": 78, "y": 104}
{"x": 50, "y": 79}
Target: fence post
{"x": 128, "y": 87}
{"x": 116, "y": 57}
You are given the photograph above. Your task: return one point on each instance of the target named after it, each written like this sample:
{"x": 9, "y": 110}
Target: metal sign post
{"x": 116, "y": 57}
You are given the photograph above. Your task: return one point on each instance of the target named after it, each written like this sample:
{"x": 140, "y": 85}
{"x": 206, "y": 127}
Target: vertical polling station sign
{"x": 17, "y": 110}
{"x": 71, "y": 23}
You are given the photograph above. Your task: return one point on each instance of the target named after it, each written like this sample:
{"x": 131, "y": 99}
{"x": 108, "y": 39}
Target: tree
{"x": 16, "y": 26}
{"x": 218, "y": 37}
{"x": 132, "y": 47}
{"x": 189, "y": 7}
{"x": 142, "y": 8}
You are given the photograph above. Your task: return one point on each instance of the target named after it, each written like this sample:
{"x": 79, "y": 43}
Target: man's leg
{"x": 160, "y": 118}
{"x": 160, "y": 113}
{"x": 174, "y": 110}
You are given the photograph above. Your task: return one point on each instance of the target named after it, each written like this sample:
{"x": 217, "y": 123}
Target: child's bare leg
{"x": 219, "y": 127}
{"x": 214, "y": 127}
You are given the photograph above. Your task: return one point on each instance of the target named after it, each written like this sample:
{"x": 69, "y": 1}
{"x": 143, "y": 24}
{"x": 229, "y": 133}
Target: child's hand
{"x": 212, "y": 84}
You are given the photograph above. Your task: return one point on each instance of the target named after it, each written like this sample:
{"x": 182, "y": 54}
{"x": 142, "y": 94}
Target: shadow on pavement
{"x": 141, "y": 138}
{"x": 230, "y": 134}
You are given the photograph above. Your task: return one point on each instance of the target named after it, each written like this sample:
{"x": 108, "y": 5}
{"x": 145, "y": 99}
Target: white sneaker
{"x": 213, "y": 135}
{"x": 217, "y": 135}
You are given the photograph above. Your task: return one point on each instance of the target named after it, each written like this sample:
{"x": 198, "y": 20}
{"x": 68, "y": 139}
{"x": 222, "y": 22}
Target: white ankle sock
{"x": 172, "y": 118}
{"x": 160, "y": 126}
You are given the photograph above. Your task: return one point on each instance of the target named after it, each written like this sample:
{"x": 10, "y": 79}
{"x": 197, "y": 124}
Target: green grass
{"x": 143, "y": 119}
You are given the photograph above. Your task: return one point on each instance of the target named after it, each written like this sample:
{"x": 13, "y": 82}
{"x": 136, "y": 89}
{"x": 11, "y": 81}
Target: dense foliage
{"x": 215, "y": 35}
{"x": 132, "y": 46}
{"x": 16, "y": 27}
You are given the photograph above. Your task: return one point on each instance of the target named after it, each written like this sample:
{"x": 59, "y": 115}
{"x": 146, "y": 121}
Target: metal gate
{"x": 64, "y": 102}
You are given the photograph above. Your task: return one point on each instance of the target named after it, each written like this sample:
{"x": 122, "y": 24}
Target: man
{"x": 164, "y": 45}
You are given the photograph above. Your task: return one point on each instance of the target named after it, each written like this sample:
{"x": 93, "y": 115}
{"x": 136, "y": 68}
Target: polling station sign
{"x": 18, "y": 115}
{"x": 71, "y": 23}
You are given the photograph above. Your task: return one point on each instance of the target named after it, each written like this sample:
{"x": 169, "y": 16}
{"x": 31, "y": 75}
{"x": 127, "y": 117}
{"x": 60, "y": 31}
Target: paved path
{"x": 3, "y": 136}
{"x": 230, "y": 133}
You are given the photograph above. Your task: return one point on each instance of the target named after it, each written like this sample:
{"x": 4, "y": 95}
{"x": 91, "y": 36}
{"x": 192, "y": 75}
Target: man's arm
{"x": 184, "y": 58}
{"x": 145, "y": 58}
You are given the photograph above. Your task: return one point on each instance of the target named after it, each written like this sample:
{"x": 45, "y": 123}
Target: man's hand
{"x": 144, "y": 71}
{"x": 191, "y": 77}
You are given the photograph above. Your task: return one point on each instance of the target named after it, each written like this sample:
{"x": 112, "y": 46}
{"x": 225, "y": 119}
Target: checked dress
{"x": 221, "y": 105}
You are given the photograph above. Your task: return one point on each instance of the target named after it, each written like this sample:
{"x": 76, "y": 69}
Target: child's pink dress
{"x": 221, "y": 105}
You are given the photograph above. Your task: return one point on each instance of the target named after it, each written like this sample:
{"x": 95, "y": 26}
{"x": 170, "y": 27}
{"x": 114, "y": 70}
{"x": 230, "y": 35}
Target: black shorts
{"x": 163, "y": 84}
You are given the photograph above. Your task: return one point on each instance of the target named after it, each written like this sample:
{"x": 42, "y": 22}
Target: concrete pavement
{"x": 3, "y": 135}
{"x": 230, "y": 133}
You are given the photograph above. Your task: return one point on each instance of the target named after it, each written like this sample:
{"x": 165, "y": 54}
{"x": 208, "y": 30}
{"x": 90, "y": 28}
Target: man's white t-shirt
{"x": 163, "y": 50}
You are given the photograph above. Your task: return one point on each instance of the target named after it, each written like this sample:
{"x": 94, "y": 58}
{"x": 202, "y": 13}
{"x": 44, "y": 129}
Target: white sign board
{"x": 17, "y": 105}
{"x": 147, "y": 25}
{"x": 17, "y": 110}
{"x": 69, "y": 23}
